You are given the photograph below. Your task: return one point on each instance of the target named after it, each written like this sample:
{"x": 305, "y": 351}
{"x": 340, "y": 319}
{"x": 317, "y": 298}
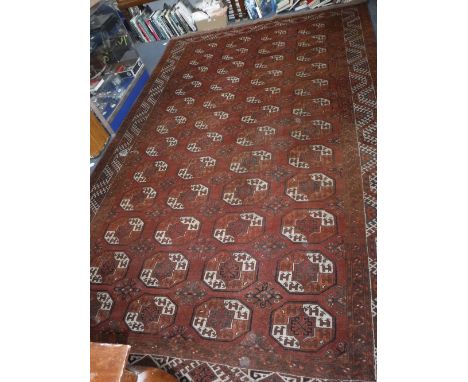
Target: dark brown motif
{"x": 164, "y": 270}
{"x": 150, "y": 314}
{"x": 230, "y": 271}
{"x": 221, "y": 319}
{"x": 100, "y": 306}
{"x": 308, "y": 226}
{"x": 239, "y": 228}
{"x": 109, "y": 267}
{"x": 302, "y": 326}
{"x": 306, "y": 272}
{"x": 177, "y": 230}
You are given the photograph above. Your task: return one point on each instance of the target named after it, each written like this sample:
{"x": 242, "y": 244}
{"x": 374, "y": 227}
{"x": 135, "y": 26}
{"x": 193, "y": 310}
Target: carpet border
{"x": 366, "y": 136}
{"x": 120, "y": 132}
{"x": 245, "y": 371}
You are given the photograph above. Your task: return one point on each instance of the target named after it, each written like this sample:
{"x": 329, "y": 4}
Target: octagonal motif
{"x": 109, "y": 267}
{"x": 314, "y": 129}
{"x": 138, "y": 199}
{"x": 310, "y": 187}
{"x": 150, "y": 171}
{"x": 308, "y": 156}
{"x": 197, "y": 168}
{"x": 205, "y": 142}
{"x": 244, "y": 192}
{"x": 305, "y": 272}
{"x": 221, "y": 319}
{"x": 149, "y": 314}
{"x": 302, "y": 326}
{"x": 239, "y": 227}
{"x": 250, "y": 161}
{"x": 308, "y": 225}
{"x": 187, "y": 195}
{"x": 255, "y": 135}
{"x": 230, "y": 271}
{"x": 177, "y": 230}
{"x": 164, "y": 270}
{"x": 100, "y": 307}
{"x": 124, "y": 230}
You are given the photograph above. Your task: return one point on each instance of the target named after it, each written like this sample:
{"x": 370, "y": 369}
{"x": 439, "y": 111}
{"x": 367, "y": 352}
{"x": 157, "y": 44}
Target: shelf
{"x": 124, "y": 4}
{"x": 130, "y": 86}
{"x": 116, "y": 65}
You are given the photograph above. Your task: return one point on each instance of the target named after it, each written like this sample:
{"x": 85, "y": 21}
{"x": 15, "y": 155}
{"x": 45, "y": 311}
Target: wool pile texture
{"x": 233, "y": 217}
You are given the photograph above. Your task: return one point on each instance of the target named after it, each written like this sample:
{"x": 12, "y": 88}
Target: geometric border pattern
{"x": 364, "y": 105}
{"x": 182, "y": 367}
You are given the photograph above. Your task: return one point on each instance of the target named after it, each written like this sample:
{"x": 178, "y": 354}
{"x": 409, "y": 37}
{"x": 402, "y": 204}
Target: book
{"x": 251, "y": 7}
{"x": 175, "y": 22}
{"x": 167, "y": 17}
{"x": 257, "y": 7}
{"x": 267, "y": 7}
{"x": 164, "y": 22}
{"x": 157, "y": 28}
{"x": 186, "y": 14}
{"x": 151, "y": 29}
{"x": 181, "y": 24}
{"x": 319, "y": 3}
{"x": 294, "y": 3}
{"x": 136, "y": 30}
{"x": 144, "y": 29}
{"x": 186, "y": 25}
{"x": 149, "y": 24}
{"x": 241, "y": 14}
{"x": 282, "y": 5}
{"x": 160, "y": 25}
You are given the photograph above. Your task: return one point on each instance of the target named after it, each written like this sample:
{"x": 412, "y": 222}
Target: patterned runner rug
{"x": 234, "y": 217}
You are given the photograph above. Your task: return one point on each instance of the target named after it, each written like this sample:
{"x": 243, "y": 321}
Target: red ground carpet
{"x": 233, "y": 218}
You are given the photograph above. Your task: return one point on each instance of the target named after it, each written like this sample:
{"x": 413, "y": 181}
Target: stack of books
{"x": 286, "y": 5}
{"x": 235, "y": 11}
{"x": 162, "y": 24}
{"x": 297, "y": 5}
{"x": 258, "y": 9}
{"x": 320, "y": 3}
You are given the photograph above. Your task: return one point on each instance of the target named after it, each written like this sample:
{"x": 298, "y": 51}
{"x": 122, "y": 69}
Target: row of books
{"x": 177, "y": 20}
{"x": 235, "y": 10}
{"x": 298, "y": 5}
{"x": 171, "y": 21}
{"x": 258, "y": 9}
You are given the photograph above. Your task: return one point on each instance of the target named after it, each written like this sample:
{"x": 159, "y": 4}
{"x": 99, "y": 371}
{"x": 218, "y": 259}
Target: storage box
{"x": 128, "y": 68}
{"x": 216, "y": 19}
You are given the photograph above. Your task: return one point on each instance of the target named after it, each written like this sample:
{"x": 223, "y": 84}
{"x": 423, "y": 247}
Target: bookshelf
{"x": 238, "y": 8}
{"x": 117, "y": 73}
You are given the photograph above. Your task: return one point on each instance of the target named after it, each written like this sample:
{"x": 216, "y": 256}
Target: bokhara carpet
{"x": 233, "y": 221}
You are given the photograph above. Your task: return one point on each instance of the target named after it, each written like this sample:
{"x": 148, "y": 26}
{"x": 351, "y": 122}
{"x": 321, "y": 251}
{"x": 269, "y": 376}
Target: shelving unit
{"x": 117, "y": 76}
{"x": 117, "y": 72}
{"x": 240, "y": 12}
